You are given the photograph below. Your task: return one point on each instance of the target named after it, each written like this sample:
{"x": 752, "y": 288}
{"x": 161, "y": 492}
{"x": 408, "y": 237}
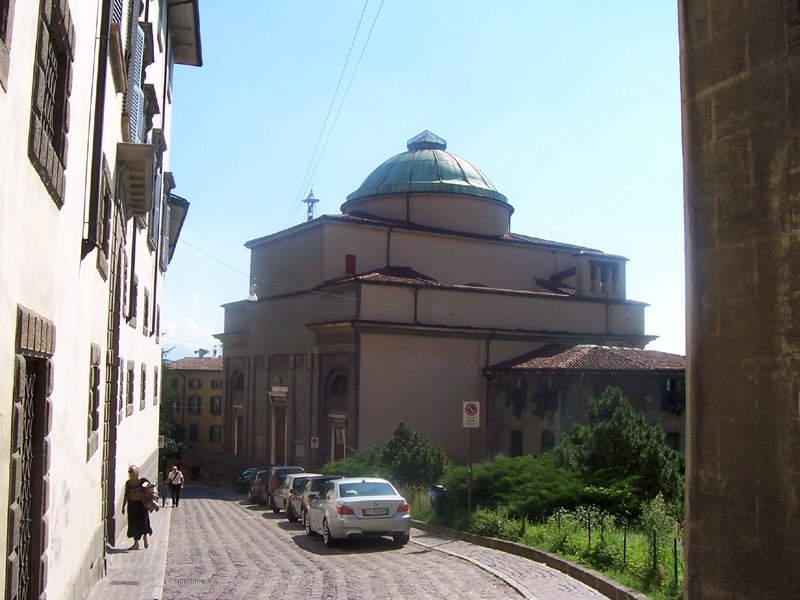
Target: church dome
{"x": 427, "y": 167}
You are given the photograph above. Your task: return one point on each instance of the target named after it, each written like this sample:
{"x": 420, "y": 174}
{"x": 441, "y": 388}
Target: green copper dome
{"x": 427, "y": 167}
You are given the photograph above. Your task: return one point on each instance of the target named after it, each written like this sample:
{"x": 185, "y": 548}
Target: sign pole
{"x": 469, "y": 473}
{"x": 471, "y": 415}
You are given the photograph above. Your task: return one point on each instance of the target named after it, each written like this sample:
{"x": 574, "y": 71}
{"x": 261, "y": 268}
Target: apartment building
{"x": 89, "y": 219}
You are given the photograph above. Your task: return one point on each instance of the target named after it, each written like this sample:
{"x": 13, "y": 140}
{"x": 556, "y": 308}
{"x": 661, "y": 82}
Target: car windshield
{"x": 366, "y": 488}
{"x": 299, "y": 483}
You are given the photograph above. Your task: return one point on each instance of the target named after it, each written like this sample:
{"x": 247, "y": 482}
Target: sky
{"x": 570, "y": 108}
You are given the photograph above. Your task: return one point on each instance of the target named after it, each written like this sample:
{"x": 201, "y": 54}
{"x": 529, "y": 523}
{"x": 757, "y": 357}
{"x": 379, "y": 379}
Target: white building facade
{"x": 88, "y": 225}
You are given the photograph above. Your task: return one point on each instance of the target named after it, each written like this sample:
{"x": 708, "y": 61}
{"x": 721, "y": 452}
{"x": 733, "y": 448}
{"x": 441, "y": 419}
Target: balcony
{"x": 135, "y": 171}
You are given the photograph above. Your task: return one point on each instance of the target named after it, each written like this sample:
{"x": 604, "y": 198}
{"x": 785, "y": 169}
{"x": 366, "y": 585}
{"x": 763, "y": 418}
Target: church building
{"x": 396, "y": 310}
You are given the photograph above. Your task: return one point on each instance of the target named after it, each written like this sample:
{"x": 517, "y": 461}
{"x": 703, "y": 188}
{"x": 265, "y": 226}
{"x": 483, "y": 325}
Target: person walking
{"x": 138, "y": 517}
{"x": 175, "y": 479}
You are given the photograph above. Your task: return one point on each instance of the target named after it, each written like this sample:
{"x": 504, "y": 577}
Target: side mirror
{"x": 312, "y": 496}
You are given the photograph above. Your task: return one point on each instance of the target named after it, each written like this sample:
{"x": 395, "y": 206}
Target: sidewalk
{"x": 137, "y": 574}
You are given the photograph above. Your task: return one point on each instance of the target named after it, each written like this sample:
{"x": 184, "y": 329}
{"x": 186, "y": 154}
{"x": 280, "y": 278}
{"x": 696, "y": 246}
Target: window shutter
{"x": 155, "y": 212}
{"x": 134, "y": 96}
{"x": 165, "y": 236}
{"x": 116, "y": 11}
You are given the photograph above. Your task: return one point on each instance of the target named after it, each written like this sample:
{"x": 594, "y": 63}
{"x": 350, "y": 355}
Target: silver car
{"x": 358, "y": 506}
{"x": 280, "y": 497}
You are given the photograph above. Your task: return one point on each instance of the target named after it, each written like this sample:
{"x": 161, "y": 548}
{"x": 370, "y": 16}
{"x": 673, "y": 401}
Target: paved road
{"x": 221, "y": 546}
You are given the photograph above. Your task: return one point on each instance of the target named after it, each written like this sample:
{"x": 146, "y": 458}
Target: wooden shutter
{"x": 155, "y": 211}
{"x": 134, "y": 95}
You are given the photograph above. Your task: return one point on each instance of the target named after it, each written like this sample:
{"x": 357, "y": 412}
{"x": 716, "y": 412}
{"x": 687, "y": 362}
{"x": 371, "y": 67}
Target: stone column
{"x": 740, "y": 79}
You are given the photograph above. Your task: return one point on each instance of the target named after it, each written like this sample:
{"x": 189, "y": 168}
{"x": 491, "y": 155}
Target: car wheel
{"x": 307, "y": 525}
{"x": 329, "y": 540}
{"x": 401, "y": 539}
{"x": 290, "y": 514}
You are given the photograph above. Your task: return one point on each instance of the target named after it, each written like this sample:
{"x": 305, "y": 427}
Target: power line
{"x": 306, "y": 178}
{"x": 341, "y": 104}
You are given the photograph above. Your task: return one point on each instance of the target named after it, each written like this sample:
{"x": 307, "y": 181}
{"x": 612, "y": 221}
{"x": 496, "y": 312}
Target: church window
{"x": 604, "y": 277}
{"x": 350, "y": 264}
{"x": 548, "y": 441}
{"x": 338, "y": 386}
{"x": 238, "y": 383}
{"x": 516, "y": 442}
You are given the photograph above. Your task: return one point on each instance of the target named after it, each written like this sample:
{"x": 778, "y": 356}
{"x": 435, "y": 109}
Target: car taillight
{"x": 404, "y": 507}
{"x": 344, "y": 509}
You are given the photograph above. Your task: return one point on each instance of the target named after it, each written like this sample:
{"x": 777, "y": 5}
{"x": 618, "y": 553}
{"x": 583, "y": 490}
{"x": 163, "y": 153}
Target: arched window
{"x": 338, "y": 385}
{"x": 238, "y": 382}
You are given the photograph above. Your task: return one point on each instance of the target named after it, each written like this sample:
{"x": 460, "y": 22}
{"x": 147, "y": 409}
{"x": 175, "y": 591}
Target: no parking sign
{"x": 472, "y": 414}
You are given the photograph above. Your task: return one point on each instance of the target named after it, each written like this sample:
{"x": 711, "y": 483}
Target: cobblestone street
{"x": 220, "y": 546}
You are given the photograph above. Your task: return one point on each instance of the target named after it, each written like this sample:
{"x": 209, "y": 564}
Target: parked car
{"x": 258, "y": 487}
{"x": 358, "y": 506}
{"x": 303, "y": 487}
{"x": 274, "y": 478}
{"x": 286, "y": 487}
{"x": 243, "y": 481}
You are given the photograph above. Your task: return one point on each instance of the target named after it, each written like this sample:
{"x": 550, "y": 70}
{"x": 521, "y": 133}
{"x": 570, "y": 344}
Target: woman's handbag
{"x": 137, "y": 494}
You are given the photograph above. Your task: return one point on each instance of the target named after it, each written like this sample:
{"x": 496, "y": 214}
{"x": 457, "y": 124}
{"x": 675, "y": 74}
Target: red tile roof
{"x": 191, "y": 363}
{"x": 559, "y": 357}
{"x": 401, "y": 275}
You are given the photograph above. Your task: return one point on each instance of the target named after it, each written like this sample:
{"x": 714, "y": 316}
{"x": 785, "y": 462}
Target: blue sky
{"x": 572, "y": 109}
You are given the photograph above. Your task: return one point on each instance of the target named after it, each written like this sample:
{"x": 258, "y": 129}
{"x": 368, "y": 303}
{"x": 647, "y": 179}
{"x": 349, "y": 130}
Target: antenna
{"x": 310, "y": 202}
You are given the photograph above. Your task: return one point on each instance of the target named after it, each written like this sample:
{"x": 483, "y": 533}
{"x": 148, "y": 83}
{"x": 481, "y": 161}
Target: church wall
{"x": 460, "y": 213}
{"x": 423, "y": 382}
{"x": 519, "y": 312}
{"x": 367, "y": 244}
{"x": 459, "y": 261}
{"x": 288, "y": 263}
{"x": 387, "y": 303}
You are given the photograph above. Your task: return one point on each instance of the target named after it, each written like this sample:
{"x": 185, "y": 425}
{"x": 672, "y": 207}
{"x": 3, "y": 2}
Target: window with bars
{"x": 146, "y": 311}
{"x": 143, "y": 389}
{"x": 155, "y": 385}
{"x": 6, "y": 19}
{"x": 4, "y": 9}
{"x": 50, "y": 100}
{"x": 99, "y": 231}
{"x": 131, "y": 378}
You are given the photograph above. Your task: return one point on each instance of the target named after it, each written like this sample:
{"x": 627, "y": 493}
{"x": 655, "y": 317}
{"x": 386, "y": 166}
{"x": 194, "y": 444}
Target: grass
{"x": 620, "y": 553}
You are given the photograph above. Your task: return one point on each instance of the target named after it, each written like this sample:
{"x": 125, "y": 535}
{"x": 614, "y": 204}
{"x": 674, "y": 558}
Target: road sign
{"x": 472, "y": 414}
{"x": 314, "y": 443}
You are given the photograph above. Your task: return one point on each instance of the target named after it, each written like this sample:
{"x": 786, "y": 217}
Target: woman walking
{"x": 138, "y": 516}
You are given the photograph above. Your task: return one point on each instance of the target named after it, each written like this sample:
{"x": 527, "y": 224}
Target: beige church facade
{"x": 393, "y": 310}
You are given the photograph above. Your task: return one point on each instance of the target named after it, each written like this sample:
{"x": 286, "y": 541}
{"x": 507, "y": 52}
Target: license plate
{"x": 375, "y": 512}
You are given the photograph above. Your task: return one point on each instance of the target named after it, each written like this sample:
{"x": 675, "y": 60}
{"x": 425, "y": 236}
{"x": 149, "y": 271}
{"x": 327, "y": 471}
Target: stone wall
{"x": 740, "y": 71}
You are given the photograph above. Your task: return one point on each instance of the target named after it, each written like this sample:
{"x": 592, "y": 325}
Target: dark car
{"x": 274, "y": 478}
{"x": 243, "y": 481}
{"x": 258, "y": 487}
{"x": 299, "y": 499}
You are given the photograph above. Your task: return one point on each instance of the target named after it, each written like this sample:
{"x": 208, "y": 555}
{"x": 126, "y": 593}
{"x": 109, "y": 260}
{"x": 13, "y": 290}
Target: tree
{"x": 618, "y": 444}
{"x": 412, "y": 460}
{"x": 174, "y": 434}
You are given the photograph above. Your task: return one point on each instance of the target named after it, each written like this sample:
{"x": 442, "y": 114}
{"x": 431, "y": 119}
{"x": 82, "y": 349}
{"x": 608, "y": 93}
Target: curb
{"x": 598, "y": 581}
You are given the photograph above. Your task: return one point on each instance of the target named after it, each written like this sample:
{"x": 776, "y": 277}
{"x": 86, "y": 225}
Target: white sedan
{"x": 358, "y": 506}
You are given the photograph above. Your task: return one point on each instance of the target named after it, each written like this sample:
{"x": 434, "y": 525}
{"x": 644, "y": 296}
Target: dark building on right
{"x": 536, "y": 398}
{"x": 740, "y": 88}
